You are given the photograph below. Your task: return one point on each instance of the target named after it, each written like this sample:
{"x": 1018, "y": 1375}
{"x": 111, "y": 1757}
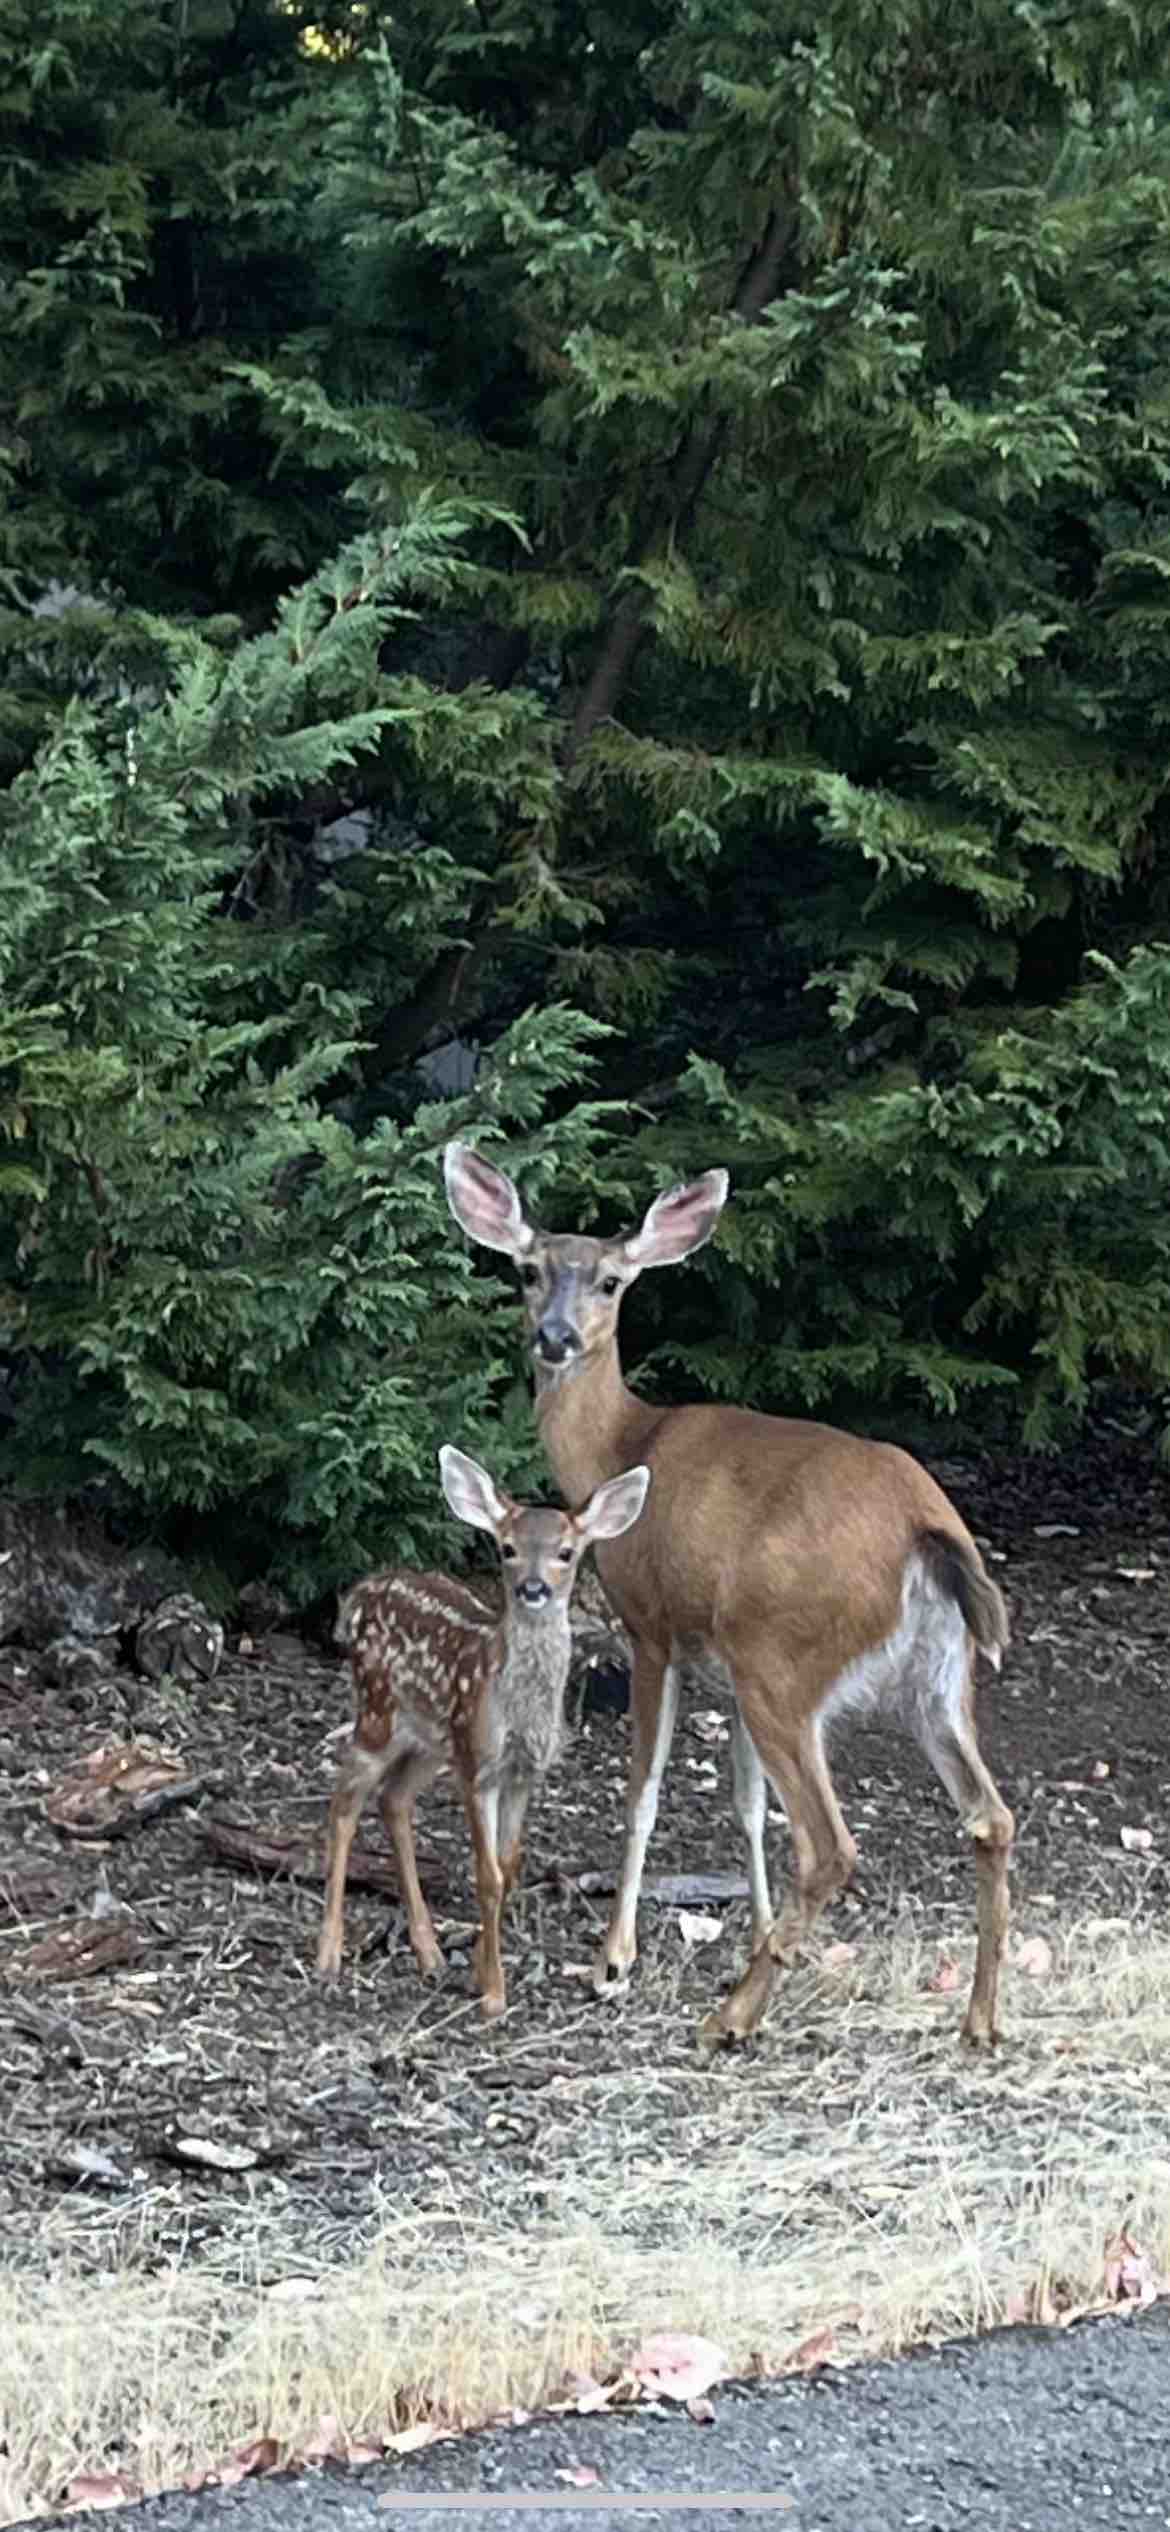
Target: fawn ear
{"x": 679, "y": 1221}
{"x": 615, "y": 1507}
{"x": 484, "y": 1202}
{"x": 469, "y": 1490}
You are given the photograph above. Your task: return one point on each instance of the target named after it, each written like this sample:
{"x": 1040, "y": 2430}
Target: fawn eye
{"x": 530, "y": 1275}
{"x": 508, "y": 1552}
{"x": 610, "y": 1284}
{"x": 564, "y": 1556}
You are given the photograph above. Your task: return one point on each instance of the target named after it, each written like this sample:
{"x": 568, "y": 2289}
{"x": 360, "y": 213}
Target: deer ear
{"x": 615, "y": 1507}
{"x": 681, "y": 1220}
{"x": 469, "y": 1490}
{"x": 484, "y": 1202}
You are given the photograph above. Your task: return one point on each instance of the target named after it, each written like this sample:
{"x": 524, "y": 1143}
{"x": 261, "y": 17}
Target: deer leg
{"x": 515, "y": 1796}
{"x": 653, "y": 1715}
{"x": 361, "y": 1770}
{"x": 483, "y": 1820}
{"x": 823, "y": 1859}
{"x": 749, "y": 1787}
{"x": 948, "y": 1741}
{"x": 414, "y": 1771}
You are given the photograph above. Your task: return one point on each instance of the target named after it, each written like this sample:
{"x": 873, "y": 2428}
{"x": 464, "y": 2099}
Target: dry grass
{"x": 856, "y": 2171}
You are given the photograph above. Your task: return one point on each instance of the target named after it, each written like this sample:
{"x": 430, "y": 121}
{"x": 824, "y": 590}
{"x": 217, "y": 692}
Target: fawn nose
{"x": 557, "y": 1339}
{"x": 533, "y": 1593}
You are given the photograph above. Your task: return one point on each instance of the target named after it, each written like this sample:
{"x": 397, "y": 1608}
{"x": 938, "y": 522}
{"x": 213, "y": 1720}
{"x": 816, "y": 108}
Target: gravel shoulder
{"x": 1021, "y": 2431}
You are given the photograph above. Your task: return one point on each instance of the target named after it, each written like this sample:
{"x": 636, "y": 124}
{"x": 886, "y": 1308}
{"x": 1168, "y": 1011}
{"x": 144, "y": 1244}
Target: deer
{"x": 805, "y": 1573}
{"x": 442, "y": 1678}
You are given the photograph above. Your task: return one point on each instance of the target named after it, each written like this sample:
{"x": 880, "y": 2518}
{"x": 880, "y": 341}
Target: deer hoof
{"x": 979, "y": 2036}
{"x": 492, "y": 2006}
{"x": 611, "y": 1977}
{"x": 716, "y": 2032}
{"x": 329, "y": 1963}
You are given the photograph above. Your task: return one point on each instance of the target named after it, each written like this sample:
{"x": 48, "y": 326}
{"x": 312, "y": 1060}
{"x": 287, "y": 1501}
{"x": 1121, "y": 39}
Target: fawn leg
{"x": 653, "y": 1714}
{"x": 482, "y": 1806}
{"x": 948, "y": 1741}
{"x": 749, "y": 1789}
{"x": 361, "y": 1770}
{"x": 515, "y": 1795}
{"x": 413, "y": 1771}
{"x": 823, "y": 1859}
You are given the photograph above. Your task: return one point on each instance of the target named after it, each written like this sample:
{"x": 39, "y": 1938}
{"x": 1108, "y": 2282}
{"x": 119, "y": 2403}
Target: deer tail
{"x": 960, "y": 1572}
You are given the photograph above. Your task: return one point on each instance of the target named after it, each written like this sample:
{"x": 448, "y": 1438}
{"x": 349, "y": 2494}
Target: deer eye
{"x": 565, "y": 1555}
{"x": 508, "y": 1552}
{"x": 530, "y": 1275}
{"x": 610, "y": 1284}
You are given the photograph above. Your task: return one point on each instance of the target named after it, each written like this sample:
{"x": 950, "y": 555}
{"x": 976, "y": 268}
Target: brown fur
{"x": 778, "y": 1550}
{"x": 442, "y": 1679}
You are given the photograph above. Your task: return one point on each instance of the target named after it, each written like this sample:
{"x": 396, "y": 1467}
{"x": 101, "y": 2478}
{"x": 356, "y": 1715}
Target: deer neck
{"x": 591, "y": 1425}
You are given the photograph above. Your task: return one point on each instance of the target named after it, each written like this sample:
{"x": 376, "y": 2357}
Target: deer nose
{"x": 533, "y": 1594}
{"x": 556, "y": 1339}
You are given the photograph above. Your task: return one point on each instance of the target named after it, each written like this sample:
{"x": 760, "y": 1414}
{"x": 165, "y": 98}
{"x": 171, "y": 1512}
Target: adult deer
{"x": 815, "y": 1573}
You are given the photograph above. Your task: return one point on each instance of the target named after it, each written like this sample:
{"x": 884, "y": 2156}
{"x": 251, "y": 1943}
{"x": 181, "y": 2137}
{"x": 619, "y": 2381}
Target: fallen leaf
{"x": 838, "y": 1956}
{"x": 262, "y": 2454}
{"x": 110, "y": 1782}
{"x": 1034, "y": 1957}
{"x": 1101, "y": 1929}
{"x": 101, "y": 2488}
{"x": 412, "y": 2439}
{"x": 1055, "y": 1530}
{"x": 77, "y": 1949}
{"x": 699, "y": 1929}
{"x": 86, "y": 2163}
{"x": 588, "y": 2397}
{"x": 701, "y": 2410}
{"x": 1137, "y": 1573}
{"x": 1130, "y": 2275}
{"x": 1137, "y": 1841}
{"x": 813, "y": 2351}
{"x": 944, "y": 1977}
{"x": 711, "y": 1726}
{"x": 210, "y": 2155}
{"x": 294, "y": 2290}
{"x": 576, "y": 1969}
{"x": 1100, "y": 1770}
{"x": 579, "y": 2475}
{"x": 675, "y": 2366}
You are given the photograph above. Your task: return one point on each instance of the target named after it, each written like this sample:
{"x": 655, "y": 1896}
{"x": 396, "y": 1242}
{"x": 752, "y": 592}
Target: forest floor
{"x": 234, "y": 2206}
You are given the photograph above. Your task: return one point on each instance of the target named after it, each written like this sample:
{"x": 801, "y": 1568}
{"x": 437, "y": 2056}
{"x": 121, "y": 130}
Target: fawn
{"x": 442, "y": 1679}
{"x": 802, "y": 1571}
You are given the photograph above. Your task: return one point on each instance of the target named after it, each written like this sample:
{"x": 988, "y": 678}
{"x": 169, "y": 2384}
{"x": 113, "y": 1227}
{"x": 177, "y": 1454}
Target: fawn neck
{"x": 591, "y": 1425}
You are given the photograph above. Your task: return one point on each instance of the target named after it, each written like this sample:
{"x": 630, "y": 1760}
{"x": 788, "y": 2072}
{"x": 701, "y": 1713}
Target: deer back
{"x": 767, "y": 1534}
{"x": 422, "y": 1646}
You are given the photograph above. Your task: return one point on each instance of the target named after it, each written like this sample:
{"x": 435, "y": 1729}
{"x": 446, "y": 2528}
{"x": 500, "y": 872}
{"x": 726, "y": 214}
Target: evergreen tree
{"x": 633, "y": 538}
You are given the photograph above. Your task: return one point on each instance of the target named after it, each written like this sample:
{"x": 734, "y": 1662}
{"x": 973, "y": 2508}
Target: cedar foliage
{"x": 634, "y": 540}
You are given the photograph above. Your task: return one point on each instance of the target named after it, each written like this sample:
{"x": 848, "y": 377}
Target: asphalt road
{"x": 1024, "y": 2431}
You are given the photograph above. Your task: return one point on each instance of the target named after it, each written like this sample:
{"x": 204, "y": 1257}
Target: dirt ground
{"x": 219, "y": 2031}
{"x": 357, "y": 2114}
